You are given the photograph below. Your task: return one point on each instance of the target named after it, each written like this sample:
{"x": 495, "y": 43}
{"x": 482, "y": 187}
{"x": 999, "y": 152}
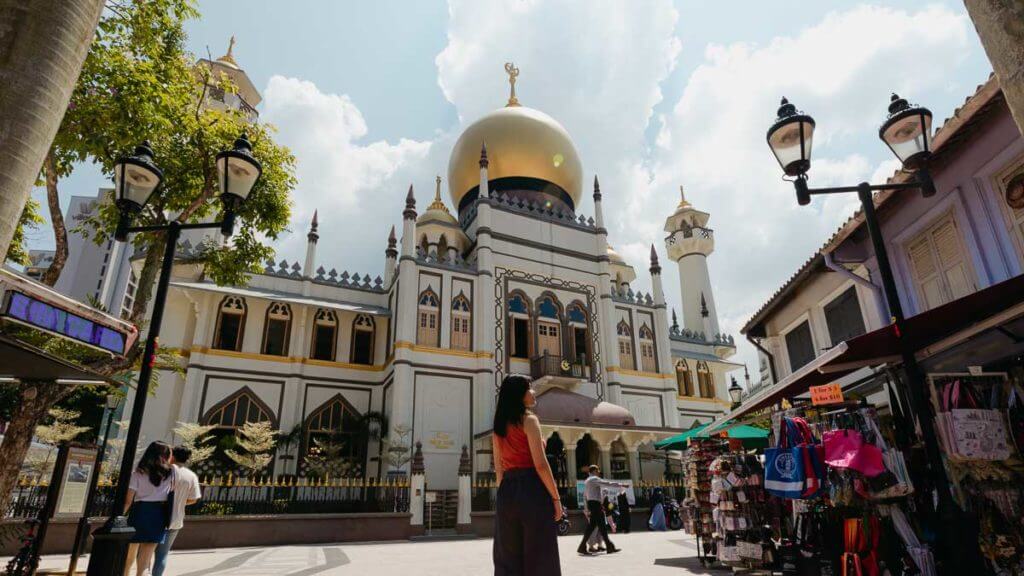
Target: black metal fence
{"x": 242, "y": 496}
{"x": 485, "y": 492}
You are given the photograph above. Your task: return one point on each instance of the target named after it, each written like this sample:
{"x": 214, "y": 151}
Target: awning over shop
{"x": 751, "y": 436}
{"x": 22, "y": 361}
{"x": 927, "y": 334}
{"x": 276, "y": 296}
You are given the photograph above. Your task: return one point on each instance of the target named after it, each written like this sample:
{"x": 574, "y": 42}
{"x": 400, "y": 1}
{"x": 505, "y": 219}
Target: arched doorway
{"x": 555, "y": 450}
{"x": 587, "y": 453}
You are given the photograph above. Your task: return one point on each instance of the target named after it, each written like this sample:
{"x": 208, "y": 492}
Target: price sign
{"x": 826, "y": 394}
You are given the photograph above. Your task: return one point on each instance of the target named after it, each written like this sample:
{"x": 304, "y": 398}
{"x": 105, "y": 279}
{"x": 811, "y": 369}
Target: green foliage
{"x": 397, "y": 449}
{"x": 30, "y": 220}
{"x": 253, "y": 446}
{"x": 196, "y": 438}
{"x": 63, "y": 427}
{"x": 326, "y": 459}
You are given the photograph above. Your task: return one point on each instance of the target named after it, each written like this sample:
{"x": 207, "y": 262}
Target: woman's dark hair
{"x": 155, "y": 462}
{"x": 510, "y": 408}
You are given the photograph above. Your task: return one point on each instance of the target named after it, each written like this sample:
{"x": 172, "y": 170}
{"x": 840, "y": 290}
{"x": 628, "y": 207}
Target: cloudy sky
{"x": 656, "y": 93}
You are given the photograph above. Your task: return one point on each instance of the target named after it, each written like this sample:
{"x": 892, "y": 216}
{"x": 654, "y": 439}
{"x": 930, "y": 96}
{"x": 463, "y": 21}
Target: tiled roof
{"x": 952, "y": 131}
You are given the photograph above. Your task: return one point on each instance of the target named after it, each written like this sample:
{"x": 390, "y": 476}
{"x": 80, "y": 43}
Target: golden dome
{"x": 521, "y": 142}
{"x": 614, "y": 256}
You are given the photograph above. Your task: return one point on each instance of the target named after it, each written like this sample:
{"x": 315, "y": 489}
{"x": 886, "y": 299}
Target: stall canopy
{"x": 927, "y": 333}
{"x": 752, "y": 437}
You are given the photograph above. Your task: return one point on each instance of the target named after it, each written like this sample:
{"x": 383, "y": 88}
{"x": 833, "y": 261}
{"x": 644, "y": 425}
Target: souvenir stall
{"x": 741, "y": 534}
{"x": 699, "y": 510}
{"x": 980, "y": 423}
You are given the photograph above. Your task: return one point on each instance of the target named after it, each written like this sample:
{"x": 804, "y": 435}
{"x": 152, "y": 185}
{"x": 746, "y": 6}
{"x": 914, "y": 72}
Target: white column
{"x": 570, "y": 464}
{"x": 463, "y": 519}
{"x": 606, "y": 460}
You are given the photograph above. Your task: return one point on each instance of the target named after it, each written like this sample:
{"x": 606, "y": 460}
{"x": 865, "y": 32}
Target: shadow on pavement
{"x": 692, "y": 564}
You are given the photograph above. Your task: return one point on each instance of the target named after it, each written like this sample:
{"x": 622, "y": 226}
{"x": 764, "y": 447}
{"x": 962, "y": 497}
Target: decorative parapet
{"x": 683, "y": 335}
{"x": 453, "y": 261}
{"x": 532, "y": 208}
{"x": 626, "y": 295}
{"x": 332, "y": 278}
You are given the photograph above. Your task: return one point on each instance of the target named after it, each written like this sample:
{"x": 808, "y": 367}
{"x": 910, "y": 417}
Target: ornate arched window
{"x": 549, "y": 328}
{"x": 332, "y": 445}
{"x": 276, "y": 329}
{"x": 684, "y": 379}
{"x": 519, "y": 325}
{"x": 230, "y": 324}
{"x": 237, "y": 409}
{"x": 363, "y": 331}
{"x": 705, "y": 380}
{"x": 428, "y": 332}
{"x": 625, "y": 335}
{"x": 579, "y": 328}
{"x": 648, "y": 363}
{"x": 325, "y": 335}
{"x": 461, "y": 323}
{"x": 442, "y": 248}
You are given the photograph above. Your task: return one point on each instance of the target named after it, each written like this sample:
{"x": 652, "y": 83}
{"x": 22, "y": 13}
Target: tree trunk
{"x": 43, "y": 44}
{"x": 60, "y": 232}
{"x": 1000, "y": 25}
{"x": 18, "y": 436}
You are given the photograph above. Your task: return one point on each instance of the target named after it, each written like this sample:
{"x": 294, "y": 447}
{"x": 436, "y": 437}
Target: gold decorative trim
{"x": 441, "y": 351}
{"x": 704, "y": 400}
{"x": 286, "y": 359}
{"x": 654, "y": 375}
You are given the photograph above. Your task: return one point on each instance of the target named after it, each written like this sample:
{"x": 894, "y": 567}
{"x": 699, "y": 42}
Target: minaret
{"x": 690, "y": 242}
{"x": 484, "y": 190}
{"x": 662, "y": 331}
{"x": 598, "y": 211}
{"x": 391, "y": 258}
{"x": 484, "y": 323}
{"x": 404, "y": 317}
{"x": 409, "y": 225}
{"x": 311, "y": 239}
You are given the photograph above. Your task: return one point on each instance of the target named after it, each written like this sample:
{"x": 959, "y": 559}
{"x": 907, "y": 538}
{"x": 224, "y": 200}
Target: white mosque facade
{"x": 513, "y": 278}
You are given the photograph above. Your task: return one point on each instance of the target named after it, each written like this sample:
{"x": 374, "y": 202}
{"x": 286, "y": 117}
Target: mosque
{"x": 511, "y": 276}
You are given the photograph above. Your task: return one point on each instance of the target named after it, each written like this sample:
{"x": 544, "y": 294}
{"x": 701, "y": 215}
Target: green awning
{"x": 752, "y": 437}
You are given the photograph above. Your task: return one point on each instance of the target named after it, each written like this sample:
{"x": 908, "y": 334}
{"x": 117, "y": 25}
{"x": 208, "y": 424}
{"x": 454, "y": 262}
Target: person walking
{"x": 186, "y": 492}
{"x": 528, "y": 504}
{"x": 148, "y": 490}
{"x": 657, "y": 520}
{"x": 592, "y": 494}
{"x": 625, "y": 520}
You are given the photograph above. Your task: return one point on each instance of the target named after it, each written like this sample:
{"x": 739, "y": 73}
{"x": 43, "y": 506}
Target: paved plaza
{"x": 643, "y": 553}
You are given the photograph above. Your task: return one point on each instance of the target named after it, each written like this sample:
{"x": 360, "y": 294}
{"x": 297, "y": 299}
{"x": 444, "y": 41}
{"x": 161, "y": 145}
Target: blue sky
{"x": 370, "y": 97}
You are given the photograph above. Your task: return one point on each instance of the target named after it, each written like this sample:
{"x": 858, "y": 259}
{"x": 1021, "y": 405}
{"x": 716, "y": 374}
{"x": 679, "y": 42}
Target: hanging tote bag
{"x": 847, "y": 449}
{"x": 971, "y": 433}
{"x": 784, "y": 473}
{"x": 813, "y": 454}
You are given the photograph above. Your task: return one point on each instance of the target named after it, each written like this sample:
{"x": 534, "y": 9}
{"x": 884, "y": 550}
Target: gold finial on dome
{"x": 437, "y": 204}
{"x": 683, "y": 203}
{"x": 229, "y": 58}
{"x": 512, "y": 72}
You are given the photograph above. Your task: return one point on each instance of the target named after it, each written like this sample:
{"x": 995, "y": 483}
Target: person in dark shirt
{"x": 624, "y": 517}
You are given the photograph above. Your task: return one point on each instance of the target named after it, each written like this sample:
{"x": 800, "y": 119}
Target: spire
{"x": 597, "y": 189}
{"x": 229, "y": 58}
{"x": 675, "y": 321}
{"x": 655, "y": 267}
{"x": 703, "y": 306}
{"x": 392, "y": 252}
{"x": 483, "y": 155}
{"x": 313, "y": 236}
{"x": 683, "y": 203}
{"x": 513, "y": 73}
{"x": 437, "y": 204}
{"x": 410, "y": 205}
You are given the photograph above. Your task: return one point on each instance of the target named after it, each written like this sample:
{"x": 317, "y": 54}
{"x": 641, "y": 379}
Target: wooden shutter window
{"x": 941, "y": 270}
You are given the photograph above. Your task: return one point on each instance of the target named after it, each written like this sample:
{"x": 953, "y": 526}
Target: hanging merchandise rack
{"x": 699, "y": 510}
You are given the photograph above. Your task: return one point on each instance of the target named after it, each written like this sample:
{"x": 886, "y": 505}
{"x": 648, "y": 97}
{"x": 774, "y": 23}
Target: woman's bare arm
{"x": 496, "y": 454}
{"x": 128, "y": 500}
{"x": 531, "y": 425}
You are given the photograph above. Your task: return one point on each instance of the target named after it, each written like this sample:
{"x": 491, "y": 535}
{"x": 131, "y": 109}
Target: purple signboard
{"x": 39, "y": 314}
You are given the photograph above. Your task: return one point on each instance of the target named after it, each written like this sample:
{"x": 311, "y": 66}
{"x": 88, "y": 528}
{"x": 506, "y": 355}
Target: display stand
{"x": 699, "y": 519}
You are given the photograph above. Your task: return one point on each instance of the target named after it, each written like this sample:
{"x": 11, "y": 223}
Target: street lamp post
{"x": 736, "y": 393}
{"x": 136, "y": 178}
{"x": 907, "y": 132}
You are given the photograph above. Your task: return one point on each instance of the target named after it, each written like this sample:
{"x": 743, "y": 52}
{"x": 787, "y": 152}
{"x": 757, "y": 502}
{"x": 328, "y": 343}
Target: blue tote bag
{"x": 784, "y": 473}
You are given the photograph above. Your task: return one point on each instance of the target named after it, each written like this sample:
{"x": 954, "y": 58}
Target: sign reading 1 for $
{"x": 826, "y": 394}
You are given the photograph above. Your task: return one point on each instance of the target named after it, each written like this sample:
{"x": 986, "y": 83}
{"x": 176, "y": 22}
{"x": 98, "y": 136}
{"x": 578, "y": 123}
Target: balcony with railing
{"x": 550, "y": 370}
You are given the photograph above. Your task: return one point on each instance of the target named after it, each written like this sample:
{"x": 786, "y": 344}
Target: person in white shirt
{"x": 148, "y": 490}
{"x": 592, "y": 494}
{"x": 186, "y": 492}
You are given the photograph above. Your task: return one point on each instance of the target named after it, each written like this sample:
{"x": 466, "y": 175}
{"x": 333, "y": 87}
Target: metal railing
{"x": 556, "y": 365}
{"x": 237, "y": 496}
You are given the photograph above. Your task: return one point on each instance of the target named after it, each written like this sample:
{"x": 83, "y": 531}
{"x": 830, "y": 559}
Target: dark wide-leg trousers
{"x": 598, "y": 523}
{"x": 525, "y": 533}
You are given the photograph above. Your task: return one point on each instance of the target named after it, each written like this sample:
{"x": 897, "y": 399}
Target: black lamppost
{"x": 136, "y": 178}
{"x": 735, "y": 393}
{"x": 907, "y": 132}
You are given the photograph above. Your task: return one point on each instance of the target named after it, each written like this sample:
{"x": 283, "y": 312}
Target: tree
{"x": 63, "y": 427}
{"x": 1000, "y": 25}
{"x": 397, "y": 448}
{"x": 140, "y": 83}
{"x": 196, "y": 438}
{"x": 44, "y": 44}
{"x": 326, "y": 459}
{"x": 30, "y": 219}
{"x": 253, "y": 445}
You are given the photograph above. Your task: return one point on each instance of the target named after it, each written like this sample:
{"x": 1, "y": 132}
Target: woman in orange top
{"x": 528, "y": 505}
